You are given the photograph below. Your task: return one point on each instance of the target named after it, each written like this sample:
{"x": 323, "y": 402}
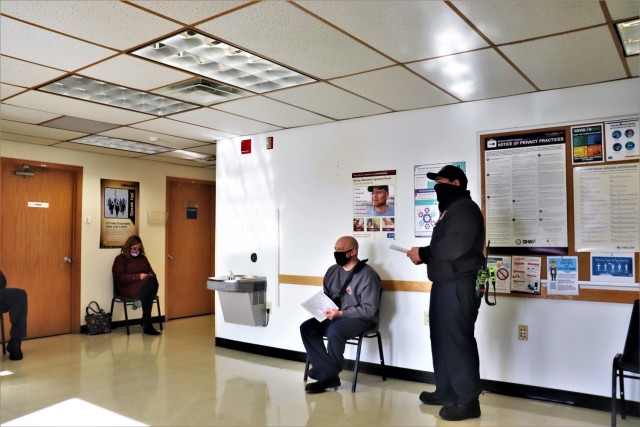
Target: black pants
{"x": 453, "y": 310}
{"x": 15, "y": 302}
{"x": 148, "y": 291}
{"x": 327, "y": 362}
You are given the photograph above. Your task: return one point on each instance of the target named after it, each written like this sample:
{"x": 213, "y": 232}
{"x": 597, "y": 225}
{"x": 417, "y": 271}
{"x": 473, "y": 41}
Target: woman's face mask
{"x": 134, "y": 252}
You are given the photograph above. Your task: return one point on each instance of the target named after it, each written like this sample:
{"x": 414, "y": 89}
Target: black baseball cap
{"x": 450, "y": 172}
{"x": 382, "y": 187}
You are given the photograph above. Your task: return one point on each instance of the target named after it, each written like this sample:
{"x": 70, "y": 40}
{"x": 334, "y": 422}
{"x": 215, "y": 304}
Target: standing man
{"x": 453, "y": 258}
{"x": 14, "y": 301}
{"x": 379, "y": 196}
{"x": 355, "y": 287}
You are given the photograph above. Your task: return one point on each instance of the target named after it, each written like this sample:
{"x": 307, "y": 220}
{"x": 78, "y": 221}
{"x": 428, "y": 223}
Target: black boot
{"x": 148, "y": 329}
{"x": 13, "y": 347}
{"x": 147, "y": 326}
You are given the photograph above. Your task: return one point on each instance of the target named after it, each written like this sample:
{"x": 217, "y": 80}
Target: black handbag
{"x": 98, "y": 322}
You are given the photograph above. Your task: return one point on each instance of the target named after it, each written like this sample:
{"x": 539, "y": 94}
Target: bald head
{"x": 346, "y": 243}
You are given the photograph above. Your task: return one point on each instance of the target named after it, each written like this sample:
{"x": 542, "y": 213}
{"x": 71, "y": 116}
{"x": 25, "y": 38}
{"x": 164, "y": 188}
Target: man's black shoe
{"x": 322, "y": 386}
{"x": 430, "y": 398}
{"x": 461, "y": 412}
{"x": 13, "y": 347}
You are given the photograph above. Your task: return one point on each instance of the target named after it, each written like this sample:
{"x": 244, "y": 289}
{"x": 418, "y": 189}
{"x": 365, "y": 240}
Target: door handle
{"x": 67, "y": 260}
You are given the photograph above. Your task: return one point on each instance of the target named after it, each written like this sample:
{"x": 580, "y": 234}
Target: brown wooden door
{"x": 190, "y": 231}
{"x": 37, "y": 231}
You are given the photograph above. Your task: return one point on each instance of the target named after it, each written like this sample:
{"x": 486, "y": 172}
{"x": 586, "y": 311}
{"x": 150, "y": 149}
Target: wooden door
{"x": 190, "y": 240}
{"x": 37, "y": 248}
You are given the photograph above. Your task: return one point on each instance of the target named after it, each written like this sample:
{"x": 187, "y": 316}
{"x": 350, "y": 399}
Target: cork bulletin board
{"x": 533, "y": 207}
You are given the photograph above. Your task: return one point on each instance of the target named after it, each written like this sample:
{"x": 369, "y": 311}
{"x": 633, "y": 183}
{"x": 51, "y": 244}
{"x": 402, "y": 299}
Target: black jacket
{"x": 457, "y": 245}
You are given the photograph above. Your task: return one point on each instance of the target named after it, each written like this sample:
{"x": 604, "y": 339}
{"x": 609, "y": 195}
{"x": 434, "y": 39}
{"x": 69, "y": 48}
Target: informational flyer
{"x": 502, "y": 267}
{"x": 606, "y": 201}
{"x": 622, "y": 140}
{"x": 526, "y": 274}
{"x": 119, "y": 202}
{"x": 374, "y": 204}
{"x": 526, "y": 193}
{"x": 562, "y": 276}
{"x": 425, "y": 202}
{"x": 613, "y": 268}
{"x": 587, "y": 144}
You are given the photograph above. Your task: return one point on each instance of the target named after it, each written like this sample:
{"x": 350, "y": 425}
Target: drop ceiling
{"x": 364, "y": 58}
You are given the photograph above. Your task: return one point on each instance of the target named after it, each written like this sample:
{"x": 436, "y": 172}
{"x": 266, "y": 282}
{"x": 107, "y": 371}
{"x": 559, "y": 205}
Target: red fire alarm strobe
{"x": 269, "y": 143}
{"x": 245, "y": 146}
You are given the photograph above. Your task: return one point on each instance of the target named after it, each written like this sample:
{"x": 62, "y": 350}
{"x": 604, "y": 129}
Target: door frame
{"x": 169, "y": 179}
{"x": 76, "y": 230}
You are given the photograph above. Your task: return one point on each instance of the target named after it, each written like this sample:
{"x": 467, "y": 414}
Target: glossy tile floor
{"x": 182, "y": 379}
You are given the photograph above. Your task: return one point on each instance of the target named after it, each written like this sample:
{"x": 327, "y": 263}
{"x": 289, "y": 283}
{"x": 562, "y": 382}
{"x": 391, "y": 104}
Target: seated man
{"x": 357, "y": 288}
{"x": 14, "y": 301}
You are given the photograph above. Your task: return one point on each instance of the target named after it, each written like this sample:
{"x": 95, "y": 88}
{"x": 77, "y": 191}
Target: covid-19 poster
{"x": 119, "y": 206}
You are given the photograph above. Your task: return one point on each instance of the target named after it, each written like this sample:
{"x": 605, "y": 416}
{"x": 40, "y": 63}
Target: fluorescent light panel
{"x": 629, "y": 33}
{"x": 203, "y": 91}
{"x": 202, "y": 55}
{"x": 121, "y": 144}
{"x": 116, "y": 96}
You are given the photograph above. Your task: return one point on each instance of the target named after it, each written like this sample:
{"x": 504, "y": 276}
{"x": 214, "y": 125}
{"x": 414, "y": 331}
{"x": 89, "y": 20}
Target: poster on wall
{"x": 526, "y": 193}
{"x": 526, "y": 275}
{"x": 622, "y": 140}
{"x": 614, "y": 268}
{"x": 562, "y": 275}
{"x": 374, "y": 195}
{"x": 119, "y": 203}
{"x": 606, "y": 200}
{"x": 587, "y": 144}
{"x": 425, "y": 202}
{"x": 502, "y": 266}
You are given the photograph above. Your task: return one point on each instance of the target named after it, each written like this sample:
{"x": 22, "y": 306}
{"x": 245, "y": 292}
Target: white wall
{"x": 291, "y": 203}
{"x": 96, "y": 282}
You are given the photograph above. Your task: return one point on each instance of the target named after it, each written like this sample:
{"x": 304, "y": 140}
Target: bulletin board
{"x": 530, "y": 203}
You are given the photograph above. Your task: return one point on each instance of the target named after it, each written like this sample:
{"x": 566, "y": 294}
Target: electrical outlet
{"x": 426, "y": 317}
{"x": 523, "y": 332}
{"x": 268, "y": 305}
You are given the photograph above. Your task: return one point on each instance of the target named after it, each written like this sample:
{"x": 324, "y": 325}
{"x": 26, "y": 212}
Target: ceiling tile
{"x": 634, "y": 65}
{"x": 474, "y": 75}
{"x": 295, "y": 39}
{"x": 172, "y": 127}
{"x": 205, "y": 149}
{"x": 190, "y": 12}
{"x": 21, "y": 73}
{"x": 429, "y": 28}
{"x": 272, "y": 111}
{"x": 46, "y": 47}
{"x": 38, "y": 131}
{"x": 100, "y": 150}
{"x": 224, "y": 121}
{"x": 560, "y": 61}
{"x": 623, "y": 9}
{"x": 24, "y": 115}
{"x": 96, "y": 21}
{"x": 25, "y": 138}
{"x": 134, "y": 73}
{"x": 329, "y": 101}
{"x": 395, "y": 88}
{"x": 79, "y": 125}
{"x": 508, "y": 21}
{"x": 133, "y": 134}
{"x": 165, "y": 159}
{"x": 9, "y": 90}
{"x": 73, "y": 107}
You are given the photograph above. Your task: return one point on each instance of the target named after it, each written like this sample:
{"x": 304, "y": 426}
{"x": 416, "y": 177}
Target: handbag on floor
{"x": 98, "y": 322}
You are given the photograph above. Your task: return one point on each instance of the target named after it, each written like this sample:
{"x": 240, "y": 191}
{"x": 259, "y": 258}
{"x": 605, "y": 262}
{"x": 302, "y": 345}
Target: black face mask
{"x": 447, "y": 193}
{"x": 341, "y": 257}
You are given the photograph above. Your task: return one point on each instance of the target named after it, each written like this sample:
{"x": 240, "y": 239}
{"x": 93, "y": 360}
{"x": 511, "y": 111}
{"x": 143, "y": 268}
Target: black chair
{"x": 628, "y": 360}
{"x": 126, "y": 301}
{"x": 2, "y": 336}
{"x": 357, "y": 341}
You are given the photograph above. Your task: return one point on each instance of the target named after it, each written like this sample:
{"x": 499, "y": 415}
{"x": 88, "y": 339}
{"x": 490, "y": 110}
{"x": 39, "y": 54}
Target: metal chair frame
{"x": 628, "y": 360}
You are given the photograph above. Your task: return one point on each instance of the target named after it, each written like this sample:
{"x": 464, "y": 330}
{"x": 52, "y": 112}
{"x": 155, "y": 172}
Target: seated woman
{"x": 135, "y": 278}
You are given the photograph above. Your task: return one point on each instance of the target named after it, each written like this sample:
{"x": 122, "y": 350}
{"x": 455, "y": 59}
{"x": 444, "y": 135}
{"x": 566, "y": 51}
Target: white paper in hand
{"x": 318, "y": 304}
{"x": 398, "y": 248}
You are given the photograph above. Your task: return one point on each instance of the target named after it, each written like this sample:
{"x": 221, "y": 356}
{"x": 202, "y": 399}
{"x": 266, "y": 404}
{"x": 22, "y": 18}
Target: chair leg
{"x": 614, "y": 395}
{"x": 355, "y": 368}
{"x": 306, "y": 369}
{"x": 622, "y": 403}
{"x": 382, "y": 367}
{"x": 126, "y": 317}
{"x": 4, "y": 339}
{"x": 159, "y": 313}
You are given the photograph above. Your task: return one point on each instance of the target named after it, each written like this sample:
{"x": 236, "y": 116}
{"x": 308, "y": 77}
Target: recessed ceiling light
{"x": 202, "y": 55}
{"x": 116, "y": 96}
{"x": 629, "y": 33}
{"x": 121, "y": 144}
{"x": 203, "y": 91}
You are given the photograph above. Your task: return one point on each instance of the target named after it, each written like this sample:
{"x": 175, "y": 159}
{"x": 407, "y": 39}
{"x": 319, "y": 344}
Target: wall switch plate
{"x": 523, "y": 332}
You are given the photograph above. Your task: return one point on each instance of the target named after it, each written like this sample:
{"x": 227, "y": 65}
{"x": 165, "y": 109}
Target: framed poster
{"x": 119, "y": 201}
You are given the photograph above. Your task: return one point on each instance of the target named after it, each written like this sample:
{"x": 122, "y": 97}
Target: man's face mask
{"x": 341, "y": 257}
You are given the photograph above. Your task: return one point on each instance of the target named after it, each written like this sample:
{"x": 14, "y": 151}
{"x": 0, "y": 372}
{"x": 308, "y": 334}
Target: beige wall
{"x": 96, "y": 262}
